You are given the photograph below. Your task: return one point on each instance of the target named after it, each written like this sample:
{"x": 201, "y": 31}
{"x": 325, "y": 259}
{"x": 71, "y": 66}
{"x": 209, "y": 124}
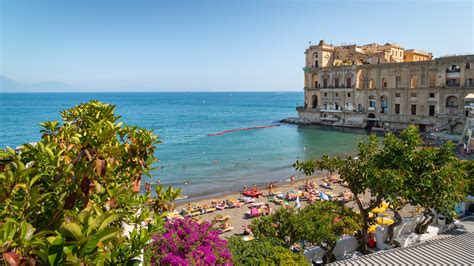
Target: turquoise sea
{"x": 211, "y": 164}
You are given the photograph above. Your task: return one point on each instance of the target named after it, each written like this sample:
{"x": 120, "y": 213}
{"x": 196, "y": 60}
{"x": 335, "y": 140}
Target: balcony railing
{"x": 453, "y": 69}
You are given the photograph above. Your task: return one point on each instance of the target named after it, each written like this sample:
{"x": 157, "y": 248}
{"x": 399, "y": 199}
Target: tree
{"x": 71, "y": 192}
{"x": 263, "y": 252}
{"x": 283, "y": 226}
{"x": 321, "y": 223}
{"x": 325, "y": 223}
{"x": 440, "y": 184}
{"x": 187, "y": 242}
{"x": 402, "y": 171}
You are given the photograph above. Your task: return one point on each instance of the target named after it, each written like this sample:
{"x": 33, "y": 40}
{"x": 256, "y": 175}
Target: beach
{"x": 238, "y": 217}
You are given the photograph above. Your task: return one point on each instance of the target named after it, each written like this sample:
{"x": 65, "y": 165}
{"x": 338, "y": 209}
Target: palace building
{"x": 386, "y": 87}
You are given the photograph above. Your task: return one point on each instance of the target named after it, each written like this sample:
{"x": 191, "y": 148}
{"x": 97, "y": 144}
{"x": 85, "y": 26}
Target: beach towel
{"x": 254, "y": 212}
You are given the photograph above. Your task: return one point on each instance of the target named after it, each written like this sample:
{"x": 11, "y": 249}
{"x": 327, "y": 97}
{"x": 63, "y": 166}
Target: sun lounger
{"x": 248, "y": 238}
{"x": 230, "y": 228}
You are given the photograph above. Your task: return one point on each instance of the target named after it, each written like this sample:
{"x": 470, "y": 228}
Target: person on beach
{"x": 292, "y": 179}
{"x": 244, "y": 189}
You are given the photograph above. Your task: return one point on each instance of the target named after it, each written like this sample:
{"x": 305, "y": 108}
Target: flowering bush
{"x": 187, "y": 242}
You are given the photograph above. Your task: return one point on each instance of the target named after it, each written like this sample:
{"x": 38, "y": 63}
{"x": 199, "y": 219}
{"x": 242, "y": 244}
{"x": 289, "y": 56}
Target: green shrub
{"x": 263, "y": 252}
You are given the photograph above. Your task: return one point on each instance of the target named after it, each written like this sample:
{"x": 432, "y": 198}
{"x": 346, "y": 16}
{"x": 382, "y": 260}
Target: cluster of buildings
{"x": 386, "y": 87}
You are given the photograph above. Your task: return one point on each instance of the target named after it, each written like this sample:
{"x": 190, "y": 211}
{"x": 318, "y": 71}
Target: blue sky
{"x": 208, "y": 45}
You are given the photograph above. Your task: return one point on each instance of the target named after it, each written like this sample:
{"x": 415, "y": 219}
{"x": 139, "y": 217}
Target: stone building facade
{"x": 372, "y": 86}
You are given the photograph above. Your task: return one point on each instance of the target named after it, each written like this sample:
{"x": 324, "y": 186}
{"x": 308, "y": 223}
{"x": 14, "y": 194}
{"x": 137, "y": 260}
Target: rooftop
{"x": 457, "y": 249}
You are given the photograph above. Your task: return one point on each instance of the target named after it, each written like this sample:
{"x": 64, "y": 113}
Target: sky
{"x": 208, "y": 45}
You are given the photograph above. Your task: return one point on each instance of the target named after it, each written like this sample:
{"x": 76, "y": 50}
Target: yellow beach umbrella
{"x": 384, "y": 221}
{"x": 378, "y": 210}
{"x": 372, "y": 228}
{"x": 384, "y": 205}
{"x": 371, "y": 215}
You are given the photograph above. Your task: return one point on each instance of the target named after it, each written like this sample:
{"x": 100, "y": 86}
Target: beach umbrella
{"x": 378, "y": 210}
{"x": 372, "y": 228}
{"x": 384, "y": 221}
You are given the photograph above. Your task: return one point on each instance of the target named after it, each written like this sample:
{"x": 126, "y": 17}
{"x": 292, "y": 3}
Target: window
{"x": 468, "y": 65}
{"x": 413, "y": 81}
{"x": 371, "y": 84}
{"x": 325, "y": 83}
{"x": 349, "y": 83}
{"x": 452, "y": 102}
{"x": 413, "y": 109}
{"x": 432, "y": 80}
{"x": 316, "y": 64}
{"x": 384, "y": 83}
{"x": 397, "y": 108}
{"x": 349, "y": 95}
{"x": 413, "y": 94}
{"x": 325, "y": 94}
{"x": 372, "y": 101}
{"x": 316, "y": 55}
{"x": 336, "y": 106}
{"x": 337, "y": 94}
{"x": 452, "y": 82}
{"x": 315, "y": 84}
{"x": 432, "y": 110}
{"x": 469, "y": 82}
{"x": 432, "y": 95}
{"x": 336, "y": 82}
{"x": 398, "y": 82}
{"x": 384, "y": 104}
{"x": 397, "y": 95}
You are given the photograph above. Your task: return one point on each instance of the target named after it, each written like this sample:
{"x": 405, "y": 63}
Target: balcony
{"x": 453, "y": 69}
{"x": 331, "y": 110}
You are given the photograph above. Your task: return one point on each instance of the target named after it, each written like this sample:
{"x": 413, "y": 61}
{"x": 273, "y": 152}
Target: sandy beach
{"x": 238, "y": 217}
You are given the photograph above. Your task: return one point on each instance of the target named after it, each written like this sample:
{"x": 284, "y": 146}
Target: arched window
{"x": 384, "y": 104}
{"x": 452, "y": 102}
{"x": 372, "y": 102}
{"x": 371, "y": 84}
{"x": 413, "y": 81}
{"x": 359, "y": 108}
{"x": 314, "y": 101}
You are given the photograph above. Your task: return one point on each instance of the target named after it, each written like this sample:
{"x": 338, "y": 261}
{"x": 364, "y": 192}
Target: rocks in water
{"x": 297, "y": 121}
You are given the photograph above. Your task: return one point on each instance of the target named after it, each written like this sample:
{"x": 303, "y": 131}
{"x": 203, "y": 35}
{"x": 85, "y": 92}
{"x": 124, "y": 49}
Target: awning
{"x": 470, "y": 96}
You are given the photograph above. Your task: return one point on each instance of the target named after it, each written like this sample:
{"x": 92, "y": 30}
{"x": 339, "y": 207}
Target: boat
{"x": 252, "y": 194}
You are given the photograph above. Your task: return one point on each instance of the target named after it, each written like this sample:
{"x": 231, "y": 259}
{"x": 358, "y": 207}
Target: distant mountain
{"x": 10, "y": 85}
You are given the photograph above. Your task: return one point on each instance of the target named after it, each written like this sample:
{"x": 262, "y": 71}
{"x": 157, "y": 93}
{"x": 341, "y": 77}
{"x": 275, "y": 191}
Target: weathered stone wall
{"x": 427, "y": 93}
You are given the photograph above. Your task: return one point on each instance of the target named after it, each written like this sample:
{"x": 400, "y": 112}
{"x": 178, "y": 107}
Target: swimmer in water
{"x": 186, "y": 182}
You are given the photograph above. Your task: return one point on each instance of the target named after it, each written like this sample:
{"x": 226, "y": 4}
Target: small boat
{"x": 253, "y": 194}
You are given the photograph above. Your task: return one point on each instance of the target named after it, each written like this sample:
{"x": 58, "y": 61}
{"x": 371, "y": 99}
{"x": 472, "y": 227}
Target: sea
{"x": 199, "y": 164}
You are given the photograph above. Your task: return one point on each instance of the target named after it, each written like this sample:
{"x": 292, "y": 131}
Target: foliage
{"x": 77, "y": 188}
{"x": 263, "y": 252}
{"x": 283, "y": 226}
{"x": 402, "y": 171}
{"x": 326, "y": 222}
{"x": 321, "y": 223}
{"x": 468, "y": 166}
{"x": 187, "y": 242}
